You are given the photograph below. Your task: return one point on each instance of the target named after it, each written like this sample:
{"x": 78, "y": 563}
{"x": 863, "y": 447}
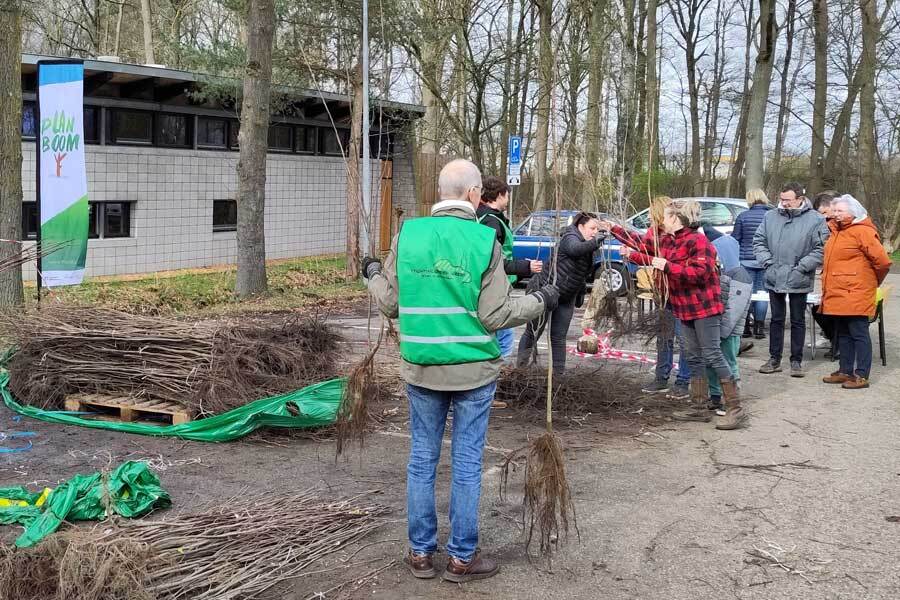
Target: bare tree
{"x": 759, "y": 94}
{"x": 10, "y": 148}
{"x": 820, "y": 101}
{"x": 868, "y": 152}
{"x": 546, "y": 78}
{"x": 739, "y": 148}
{"x": 788, "y": 84}
{"x": 687, "y": 15}
{"x": 147, "y": 21}
{"x": 253, "y": 140}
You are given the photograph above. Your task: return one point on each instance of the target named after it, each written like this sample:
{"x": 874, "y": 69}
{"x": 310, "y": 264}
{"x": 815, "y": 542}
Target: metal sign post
{"x": 513, "y": 169}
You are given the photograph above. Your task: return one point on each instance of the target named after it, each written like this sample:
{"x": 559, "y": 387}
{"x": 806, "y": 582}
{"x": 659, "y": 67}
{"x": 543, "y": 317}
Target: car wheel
{"x": 614, "y": 276}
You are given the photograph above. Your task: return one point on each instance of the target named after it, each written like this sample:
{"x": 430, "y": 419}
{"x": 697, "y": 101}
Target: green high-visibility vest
{"x": 440, "y": 265}
{"x": 507, "y": 246}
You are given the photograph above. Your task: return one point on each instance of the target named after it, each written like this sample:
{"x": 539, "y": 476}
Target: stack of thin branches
{"x": 604, "y": 389}
{"x": 237, "y": 550}
{"x": 26, "y": 255}
{"x": 207, "y": 367}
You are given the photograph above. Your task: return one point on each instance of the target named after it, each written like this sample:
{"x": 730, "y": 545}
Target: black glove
{"x": 549, "y": 295}
{"x": 371, "y": 266}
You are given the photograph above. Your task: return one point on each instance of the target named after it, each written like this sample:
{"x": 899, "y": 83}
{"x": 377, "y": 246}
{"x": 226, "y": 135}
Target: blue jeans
{"x": 856, "y": 346}
{"x": 758, "y": 308}
{"x": 665, "y": 350}
{"x": 427, "y": 418}
{"x": 506, "y": 338}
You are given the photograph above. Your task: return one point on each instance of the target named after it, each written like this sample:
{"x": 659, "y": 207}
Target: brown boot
{"x": 698, "y": 410}
{"x": 420, "y": 565}
{"x": 734, "y": 414}
{"x": 855, "y": 383}
{"x": 837, "y": 378}
{"x": 478, "y": 568}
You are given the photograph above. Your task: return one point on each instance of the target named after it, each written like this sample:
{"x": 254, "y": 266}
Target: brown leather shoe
{"x": 478, "y": 568}
{"x": 420, "y": 565}
{"x": 856, "y": 383}
{"x": 837, "y": 378}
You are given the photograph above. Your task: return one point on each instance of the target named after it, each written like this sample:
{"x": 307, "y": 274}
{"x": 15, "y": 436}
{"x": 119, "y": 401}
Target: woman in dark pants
{"x": 855, "y": 265}
{"x": 745, "y": 227}
{"x": 688, "y": 260}
{"x": 574, "y": 265}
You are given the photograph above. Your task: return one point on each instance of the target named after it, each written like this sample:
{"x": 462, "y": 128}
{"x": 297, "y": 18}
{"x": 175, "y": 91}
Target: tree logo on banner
{"x": 58, "y": 134}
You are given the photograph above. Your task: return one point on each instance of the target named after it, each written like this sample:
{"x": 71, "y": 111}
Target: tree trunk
{"x": 253, "y": 141}
{"x": 739, "y": 148}
{"x": 651, "y": 90}
{"x": 507, "y": 89}
{"x": 354, "y": 190}
{"x": 148, "y": 32}
{"x": 711, "y": 136}
{"x": 545, "y": 89}
{"x": 820, "y": 100}
{"x": 595, "y": 89}
{"x": 867, "y": 151}
{"x": 784, "y": 105}
{"x": 10, "y": 150}
{"x": 641, "y": 81}
{"x": 625, "y": 113}
{"x": 839, "y": 133}
{"x": 759, "y": 94}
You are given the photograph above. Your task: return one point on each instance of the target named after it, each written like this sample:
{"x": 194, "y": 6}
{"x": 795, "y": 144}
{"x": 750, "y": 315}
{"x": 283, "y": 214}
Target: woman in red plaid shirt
{"x": 688, "y": 260}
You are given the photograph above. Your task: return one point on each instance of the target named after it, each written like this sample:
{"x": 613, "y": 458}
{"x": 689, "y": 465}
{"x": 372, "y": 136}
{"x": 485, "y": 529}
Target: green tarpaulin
{"x": 312, "y": 406}
{"x": 131, "y": 490}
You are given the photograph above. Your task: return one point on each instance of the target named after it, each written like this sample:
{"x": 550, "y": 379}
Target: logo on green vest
{"x": 444, "y": 269}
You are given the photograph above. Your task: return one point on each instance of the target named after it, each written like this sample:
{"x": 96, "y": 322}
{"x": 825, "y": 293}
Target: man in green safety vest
{"x": 494, "y": 200}
{"x": 444, "y": 280}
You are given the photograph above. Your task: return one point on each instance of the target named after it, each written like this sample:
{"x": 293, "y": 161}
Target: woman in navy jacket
{"x": 745, "y": 227}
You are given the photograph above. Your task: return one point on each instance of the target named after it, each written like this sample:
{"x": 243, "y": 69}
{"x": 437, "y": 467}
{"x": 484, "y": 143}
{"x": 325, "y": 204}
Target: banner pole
{"x": 37, "y": 173}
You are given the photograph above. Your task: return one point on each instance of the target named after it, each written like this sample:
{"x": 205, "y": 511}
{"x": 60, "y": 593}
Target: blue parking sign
{"x": 515, "y": 149}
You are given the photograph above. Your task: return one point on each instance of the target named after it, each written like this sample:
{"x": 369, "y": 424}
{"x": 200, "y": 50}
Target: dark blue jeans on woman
{"x": 758, "y": 308}
{"x": 855, "y": 344}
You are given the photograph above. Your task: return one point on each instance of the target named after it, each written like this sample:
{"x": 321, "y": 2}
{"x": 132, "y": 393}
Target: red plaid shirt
{"x": 694, "y": 290}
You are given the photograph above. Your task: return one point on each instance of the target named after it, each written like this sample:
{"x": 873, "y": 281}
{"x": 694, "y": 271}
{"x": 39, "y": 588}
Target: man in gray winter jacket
{"x": 790, "y": 245}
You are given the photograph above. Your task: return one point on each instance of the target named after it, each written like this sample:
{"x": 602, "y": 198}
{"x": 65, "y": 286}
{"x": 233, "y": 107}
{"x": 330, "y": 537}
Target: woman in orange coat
{"x": 855, "y": 265}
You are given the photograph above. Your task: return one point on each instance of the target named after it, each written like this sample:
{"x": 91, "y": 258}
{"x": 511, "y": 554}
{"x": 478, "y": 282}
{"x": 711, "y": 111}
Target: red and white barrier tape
{"x": 606, "y": 351}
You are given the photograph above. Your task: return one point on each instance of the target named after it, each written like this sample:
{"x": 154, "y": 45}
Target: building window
{"x": 29, "y": 127}
{"x": 234, "y": 129}
{"x": 381, "y": 145}
{"x": 29, "y": 220}
{"x": 333, "y": 141}
{"x": 131, "y": 127}
{"x": 211, "y": 133}
{"x": 105, "y": 220}
{"x": 224, "y": 215}
{"x": 91, "y": 124}
{"x": 116, "y": 219}
{"x": 305, "y": 138}
{"x": 281, "y": 138}
{"x": 172, "y": 130}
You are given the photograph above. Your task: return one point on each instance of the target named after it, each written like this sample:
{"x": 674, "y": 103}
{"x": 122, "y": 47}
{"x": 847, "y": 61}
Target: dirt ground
{"x": 802, "y": 503}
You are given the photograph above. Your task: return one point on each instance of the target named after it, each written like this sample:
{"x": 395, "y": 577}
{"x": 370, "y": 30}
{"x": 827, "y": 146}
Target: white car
{"x": 718, "y": 212}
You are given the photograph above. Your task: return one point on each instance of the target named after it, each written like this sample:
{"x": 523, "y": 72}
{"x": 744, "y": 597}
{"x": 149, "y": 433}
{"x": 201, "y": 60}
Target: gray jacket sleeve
{"x": 761, "y": 245}
{"x": 496, "y": 309}
{"x": 383, "y": 286}
{"x": 812, "y": 261}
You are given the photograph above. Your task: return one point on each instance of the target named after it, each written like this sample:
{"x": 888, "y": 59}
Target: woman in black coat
{"x": 574, "y": 267}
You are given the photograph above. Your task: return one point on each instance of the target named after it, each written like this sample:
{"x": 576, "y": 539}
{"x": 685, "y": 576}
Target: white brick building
{"x": 162, "y": 177}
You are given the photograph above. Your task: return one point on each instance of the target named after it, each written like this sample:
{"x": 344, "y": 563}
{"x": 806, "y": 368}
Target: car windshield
{"x": 716, "y": 214}
{"x": 641, "y": 220}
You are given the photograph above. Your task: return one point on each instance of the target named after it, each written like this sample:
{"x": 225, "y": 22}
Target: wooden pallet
{"x": 128, "y": 409}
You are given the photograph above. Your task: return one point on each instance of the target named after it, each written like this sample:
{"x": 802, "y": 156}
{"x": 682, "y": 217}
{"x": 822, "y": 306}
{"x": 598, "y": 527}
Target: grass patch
{"x": 293, "y": 283}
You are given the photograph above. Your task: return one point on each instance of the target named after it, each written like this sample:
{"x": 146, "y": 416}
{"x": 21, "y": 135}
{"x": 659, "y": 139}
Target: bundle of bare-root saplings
{"x": 207, "y": 367}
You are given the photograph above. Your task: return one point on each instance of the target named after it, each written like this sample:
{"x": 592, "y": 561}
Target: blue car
{"x": 535, "y": 236}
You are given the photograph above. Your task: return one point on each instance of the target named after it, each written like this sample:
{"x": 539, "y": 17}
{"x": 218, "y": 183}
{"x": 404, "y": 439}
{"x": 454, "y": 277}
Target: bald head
{"x": 460, "y": 179}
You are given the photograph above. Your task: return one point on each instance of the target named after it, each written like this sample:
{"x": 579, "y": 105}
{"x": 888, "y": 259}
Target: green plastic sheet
{"x": 131, "y": 490}
{"x": 313, "y": 406}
